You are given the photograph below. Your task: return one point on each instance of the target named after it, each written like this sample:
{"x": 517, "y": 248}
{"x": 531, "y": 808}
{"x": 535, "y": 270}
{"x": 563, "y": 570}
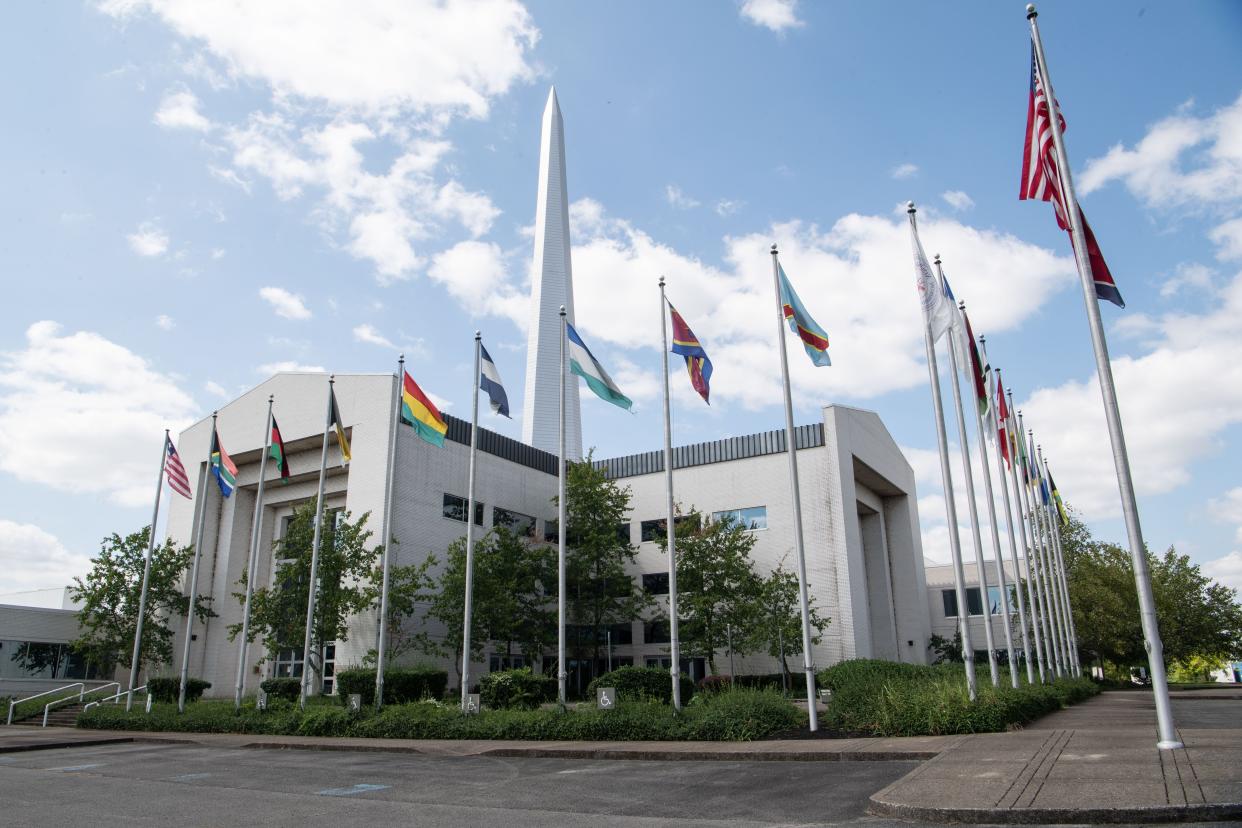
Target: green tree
{"x": 110, "y": 596}
{"x": 780, "y": 625}
{"x": 599, "y": 592}
{"x": 347, "y": 584}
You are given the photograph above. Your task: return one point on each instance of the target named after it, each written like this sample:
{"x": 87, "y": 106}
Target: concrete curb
{"x": 1202, "y": 812}
{"x": 710, "y": 756}
{"x": 67, "y": 743}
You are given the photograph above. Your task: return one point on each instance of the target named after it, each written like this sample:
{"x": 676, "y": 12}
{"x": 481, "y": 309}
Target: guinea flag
{"x": 277, "y": 452}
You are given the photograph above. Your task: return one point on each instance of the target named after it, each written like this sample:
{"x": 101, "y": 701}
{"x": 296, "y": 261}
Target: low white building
{"x": 864, "y": 556}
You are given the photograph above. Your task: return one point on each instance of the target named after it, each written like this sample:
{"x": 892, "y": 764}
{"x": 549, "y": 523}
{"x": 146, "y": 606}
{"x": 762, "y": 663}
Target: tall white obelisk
{"x": 552, "y": 285}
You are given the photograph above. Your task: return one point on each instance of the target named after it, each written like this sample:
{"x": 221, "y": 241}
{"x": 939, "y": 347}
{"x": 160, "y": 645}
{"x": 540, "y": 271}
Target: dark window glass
{"x": 974, "y": 601}
{"x": 455, "y": 509}
{"x": 656, "y": 583}
{"x": 515, "y": 522}
{"x": 950, "y": 603}
{"x": 622, "y": 634}
{"x": 654, "y": 529}
{"x": 655, "y": 632}
{"x": 550, "y": 532}
{"x": 622, "y": 587}
{"x": 623, "y": 533}
{"x": 750, "y": 518}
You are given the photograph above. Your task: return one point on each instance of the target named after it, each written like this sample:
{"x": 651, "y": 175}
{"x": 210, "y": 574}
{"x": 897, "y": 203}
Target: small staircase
{"x": 66, "y": 716}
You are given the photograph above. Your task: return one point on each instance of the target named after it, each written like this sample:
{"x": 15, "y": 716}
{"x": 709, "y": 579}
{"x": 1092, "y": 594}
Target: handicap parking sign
{"x": 473, "y": 704}
{"x": 355, "y": 702}
{"x": 606, "y": 698}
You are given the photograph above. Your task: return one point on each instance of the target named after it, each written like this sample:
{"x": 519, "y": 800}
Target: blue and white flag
{"x": 489, "y": 381}
{"x": 585, "y": 365}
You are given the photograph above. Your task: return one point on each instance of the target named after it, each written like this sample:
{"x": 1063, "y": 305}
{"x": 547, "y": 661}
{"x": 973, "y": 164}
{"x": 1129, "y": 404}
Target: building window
{"x": 656, "y": 583}
{"x": 974, "y": 601}
{"x": 655, "y": 632}
{"x": 623, "y": 533}
{"x": 621, "y": 634}
{"x": 751, "y": 518}
{"x": 551, "y": 532}
{"x": 654, "y": 529}
{"x": 329, "y": 668}
{"x": 38, "y": 659}
{"x": 663, "y": 662}
{"x": 516, "y": 522}
{"x": 455, "y": 509}
{"x": 287, "y": 664}
{"x": 499, "y": 661}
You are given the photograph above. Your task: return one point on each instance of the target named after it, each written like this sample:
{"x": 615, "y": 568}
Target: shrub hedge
{"x": 282, "y": 688}
{"x": 714, "y": 684}
{"x": 519, "y": 689}
{"x": 734, "y": 716}
{"x": 768, "y": 681}
{"x": 401, "y": 684}
{"x": 168, "y": 688}
{"x": 642, "y": 684}
{"x": 883, "y": 698}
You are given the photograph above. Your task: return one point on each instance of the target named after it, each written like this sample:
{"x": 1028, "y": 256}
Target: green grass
{"x": 739, "y": 715}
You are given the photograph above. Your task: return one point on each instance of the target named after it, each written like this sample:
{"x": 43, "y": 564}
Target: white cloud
{"x": 82, "y": 414}
{"x": 727, "y": 206}
{"x": 903, "y": 171}
{"x": 1228, "y": 239}
{"x": 31, "y": 558}
{"x": 777, "y": 15}
{"x": 217, "y": 253}
{"x": 148, "y": 240}
{"x": 179, "y": 110}
{"x": 958, "y": 200}
{"x": 1228, "y": 509}
{"x": 678, "y": 199}
{"x": 368, "y": 334}
{"x": 476, "y": 275}
{"x": 1187, "y": 274}
{"x": 289, "y": 366}
{"x": 1226, "y": 569}
{"x": 286, "y": 304}
{"x": 216, "y": 389}
{"x": 1182, "y": 160}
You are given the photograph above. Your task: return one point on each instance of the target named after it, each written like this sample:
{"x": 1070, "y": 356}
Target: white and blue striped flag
{"x": 489, "y": 381}
{"x": 585, "y": 365}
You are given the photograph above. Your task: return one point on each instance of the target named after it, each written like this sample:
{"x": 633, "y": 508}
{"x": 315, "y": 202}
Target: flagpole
{"x": 1049, "y": 562}
{"x": 1032, "y": 583}
{"x": 973, "y": 509}
{"x": 561, "y": 665}
{"x": 1052, "y": 637}
{"x": 474, "y": 448}
{"x": 146, "y": 576}
{"x": 946, "y": 477}
{"x": 1056, "y": 542}
{"x": 996, "y": 550}
{"x": 1057, "y": 573}
{"x": 1112, "y": 413}
{"x": 381, "y": 636}
{"x": 314, "y": 567}
{"x": 1013, "y": 542}
{"x": 674, "y": 644}
{"x": 198, "y": 546}
{"x": 255, "y": 528}
{"x": 792, "y": 448}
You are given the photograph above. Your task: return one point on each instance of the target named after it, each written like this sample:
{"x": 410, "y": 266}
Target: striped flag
{"x": 583, "y": 363}
{"x": 339, "y": 425}
{"x": 814, "y": 338}
{"x": 222, "y": 466}
{"x": 489, "y": 381}
{"x": 1001, "y": 412}
{"x": 975, "y": 368}
{"x": 1040, "y": 180}
{"x": 687, "y": 345}
{"x": 419, "y": 411}
{"x": 277, "y": 452}
{"x": 177, "y": 479}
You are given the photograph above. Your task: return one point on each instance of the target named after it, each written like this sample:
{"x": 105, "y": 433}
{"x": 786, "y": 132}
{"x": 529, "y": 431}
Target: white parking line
{"x": 70, "y": 768}
{"x": 187, "y": 776}
{"x": 356, "y": 789}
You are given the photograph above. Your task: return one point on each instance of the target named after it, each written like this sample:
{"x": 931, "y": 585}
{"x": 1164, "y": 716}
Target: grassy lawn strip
{"x": 739, "y": 715}
{"x": 883, "y": 698}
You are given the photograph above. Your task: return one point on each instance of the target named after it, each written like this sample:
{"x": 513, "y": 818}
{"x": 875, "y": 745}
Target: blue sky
{"x": 195, "y": 197}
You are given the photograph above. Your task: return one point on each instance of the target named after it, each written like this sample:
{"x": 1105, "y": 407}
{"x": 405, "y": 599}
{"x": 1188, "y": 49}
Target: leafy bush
{"x": 516, "y": 689}
{"x": 642, "y": 684}
{"x": 764, "y": 681}
{"x": 714, "y": 684}
{"x": 168, "y": 688}
{"x": 401, "y": 684}
{"x": 289, "y": 689}
{"x": 882, "y": 698}
{"x": 735, "y": 715}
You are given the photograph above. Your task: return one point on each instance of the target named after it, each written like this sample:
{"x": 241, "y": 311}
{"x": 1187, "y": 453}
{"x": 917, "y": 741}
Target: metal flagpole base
{"x": 1164, "y": 745}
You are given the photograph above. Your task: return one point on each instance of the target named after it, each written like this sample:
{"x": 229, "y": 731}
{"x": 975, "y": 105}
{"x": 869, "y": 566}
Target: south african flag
{"x": 222, "y": 466}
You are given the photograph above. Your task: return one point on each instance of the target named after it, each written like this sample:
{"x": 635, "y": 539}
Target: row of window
{"x": 45, "y": 660}
{"x": 974, "y": 601}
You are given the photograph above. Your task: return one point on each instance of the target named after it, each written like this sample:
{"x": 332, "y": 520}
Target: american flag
{"x": 1040, "y": 180}
{"x": 177, "y": 480}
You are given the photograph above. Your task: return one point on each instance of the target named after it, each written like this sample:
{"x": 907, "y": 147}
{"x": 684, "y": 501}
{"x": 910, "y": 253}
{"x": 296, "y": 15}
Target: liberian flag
{"x": 277, "y": 452}
{"x": 419, "y": 411}
{"x": 177, "y": 479}
{"x": 335, "y": 421}
{"x": 687, "y": 345}
{"x": 222, "y": 466}
{"x": 1040, "y": 181}
{"x": 489, "y": 381}
{"x": 583, "y": 363}
{"x": 813, "y": 337}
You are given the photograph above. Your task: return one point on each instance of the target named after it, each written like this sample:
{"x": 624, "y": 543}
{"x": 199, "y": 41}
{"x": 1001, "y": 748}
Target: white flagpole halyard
{"x": 674, "y": 643}
{"x": 198, "y": 554}
{"x": 792, "y": 448}
{"x": 256, "y": 527}
{"x": 562, "y": 667}
{"x": 146, "y": 576}
{"x": 381, "y": 636}
{"x": 1013, "y": 546}
{"x": 1032, "y": 583}
{"x": 996, "y": 550}
{"x": 973, "y": 509}
{"x": 1112, "y": 413}
{"x": 942, "y": 443}
{"x": 1051, "y": 635}
{"x": 468, "y": 608}
{"x": 307, "y": 672}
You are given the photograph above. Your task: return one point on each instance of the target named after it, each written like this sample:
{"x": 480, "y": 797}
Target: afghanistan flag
{"x": 419, "y": 411}
{"x": 277, "y": 452}
{"x": 335, "y": 421}
{"x": 687, "y": 345}
{"x": 222, "y": 466}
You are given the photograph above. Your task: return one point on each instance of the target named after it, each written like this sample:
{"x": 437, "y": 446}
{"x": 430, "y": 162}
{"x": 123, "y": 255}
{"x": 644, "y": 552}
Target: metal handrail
{"x": 48, "y": 707}
{"x": 15, "y": 702}
{"x": 114, "y": 697}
